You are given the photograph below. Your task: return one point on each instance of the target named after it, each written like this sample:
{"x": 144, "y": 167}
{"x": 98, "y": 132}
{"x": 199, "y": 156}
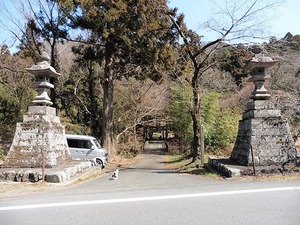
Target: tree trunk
{"x": 93, "y": 103}
{"x": 195, "y": 111}
{"x": 108, "y": 91}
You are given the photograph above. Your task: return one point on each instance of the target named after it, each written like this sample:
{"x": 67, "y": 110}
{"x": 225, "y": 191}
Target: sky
{"x": 285, "y": 19}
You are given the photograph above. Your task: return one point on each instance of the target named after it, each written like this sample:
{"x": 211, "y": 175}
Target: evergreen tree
{"x": 30, "y": 42}
{"x": 84, "y": 79}
{"x": 128, "y": 33}
{"x": 16, "y": 93}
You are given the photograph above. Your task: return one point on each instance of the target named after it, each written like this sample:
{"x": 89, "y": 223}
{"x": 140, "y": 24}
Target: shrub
{"x": 179, "y": 111}
{"x": 220, "y": 125}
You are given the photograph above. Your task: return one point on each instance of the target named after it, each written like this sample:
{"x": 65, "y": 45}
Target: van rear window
{"x": 74, "y": 143}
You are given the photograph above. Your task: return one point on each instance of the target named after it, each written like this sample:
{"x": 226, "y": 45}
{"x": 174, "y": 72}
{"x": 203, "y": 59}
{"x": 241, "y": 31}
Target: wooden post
{"x": 43, "y": 166}
{"x": 202, "y": 146}
{"x": 253, "y": 161}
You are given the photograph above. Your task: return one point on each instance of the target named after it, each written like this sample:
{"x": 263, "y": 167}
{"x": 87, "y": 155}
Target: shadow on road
{"x": 151, "y": 160}
{"x": 155, "y": 151}
{"x": 167, "y": 172}
{"x": 149, "y": 169}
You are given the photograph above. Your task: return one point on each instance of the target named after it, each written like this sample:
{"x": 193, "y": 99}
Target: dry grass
{"x": 17, "y": 189}
{"x": 184, "y": 165}
{"x": 118, "y": 161}
{"x": 271, "y": 177}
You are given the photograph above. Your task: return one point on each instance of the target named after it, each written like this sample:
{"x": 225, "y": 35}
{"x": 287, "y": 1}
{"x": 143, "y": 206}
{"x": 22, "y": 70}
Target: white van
{"x": 87, "y": 147}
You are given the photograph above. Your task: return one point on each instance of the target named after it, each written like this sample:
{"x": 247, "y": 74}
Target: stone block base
{"x": 266, "y": 133}
{"x": 39, "y": 140}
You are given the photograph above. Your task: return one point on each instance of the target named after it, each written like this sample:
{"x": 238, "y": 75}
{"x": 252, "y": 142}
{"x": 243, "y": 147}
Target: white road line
{"x": 153, "y": 198}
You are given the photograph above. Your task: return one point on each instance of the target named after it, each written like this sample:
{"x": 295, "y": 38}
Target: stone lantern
{"x": 40, "y": 139}
{"x": 258, "y": 65}
{"x": 262, "y": 132}
{"x": 43, "y": 72}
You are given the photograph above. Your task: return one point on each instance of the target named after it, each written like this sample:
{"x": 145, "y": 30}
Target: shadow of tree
{"x": 178, "y": 160}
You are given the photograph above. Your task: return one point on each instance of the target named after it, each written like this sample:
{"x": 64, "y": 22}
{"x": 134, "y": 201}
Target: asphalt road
{"x": 149, "y": 193}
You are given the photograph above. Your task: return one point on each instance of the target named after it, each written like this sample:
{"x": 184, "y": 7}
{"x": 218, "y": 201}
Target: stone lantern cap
{"x": 260, "y": 61}
{"x": 43, "y": 69}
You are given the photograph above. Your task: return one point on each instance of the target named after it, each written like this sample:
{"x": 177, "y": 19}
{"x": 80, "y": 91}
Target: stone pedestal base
{"x": 41, "y": 137}
{"x": 263, "y": 128}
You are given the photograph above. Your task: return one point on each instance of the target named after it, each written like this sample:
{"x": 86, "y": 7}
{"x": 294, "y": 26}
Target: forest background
{"x": 149, "y": 72}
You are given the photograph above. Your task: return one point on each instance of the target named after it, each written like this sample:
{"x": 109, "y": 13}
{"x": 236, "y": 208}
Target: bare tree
{"x": 149, "y": 99}
{"x": 39, "y": 22}
{"x": 234, "y": 20}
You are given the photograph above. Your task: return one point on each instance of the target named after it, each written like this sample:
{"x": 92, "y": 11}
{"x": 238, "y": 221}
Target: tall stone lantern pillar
{"x": 262, "y": 129}
{"x": 40, "y": 139}
{"x": 43, "y": 72}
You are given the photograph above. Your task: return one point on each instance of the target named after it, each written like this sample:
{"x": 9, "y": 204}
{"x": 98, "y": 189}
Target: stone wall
{"x": 52, "y": 175}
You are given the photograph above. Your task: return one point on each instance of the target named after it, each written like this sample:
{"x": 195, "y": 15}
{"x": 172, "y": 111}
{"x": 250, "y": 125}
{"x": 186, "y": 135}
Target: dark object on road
{"x": 115, "y": 174}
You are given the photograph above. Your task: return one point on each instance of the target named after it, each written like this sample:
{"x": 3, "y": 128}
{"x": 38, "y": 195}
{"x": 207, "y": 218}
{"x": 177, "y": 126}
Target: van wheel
{"x": 99, "y": 163}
